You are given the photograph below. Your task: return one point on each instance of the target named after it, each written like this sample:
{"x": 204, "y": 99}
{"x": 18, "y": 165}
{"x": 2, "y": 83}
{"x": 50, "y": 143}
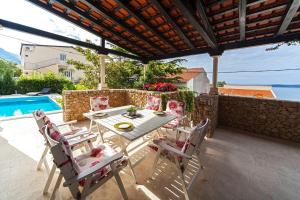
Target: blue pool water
{"x": 26, "y": 105}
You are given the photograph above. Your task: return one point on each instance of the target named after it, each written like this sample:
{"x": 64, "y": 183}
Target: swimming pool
{"x": 26, "y": 105}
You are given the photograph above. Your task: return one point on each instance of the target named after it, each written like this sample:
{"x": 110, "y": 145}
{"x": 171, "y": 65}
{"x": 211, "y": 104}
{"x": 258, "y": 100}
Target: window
{"x": 68, "y": 74}
{"x": 62, "y": 57}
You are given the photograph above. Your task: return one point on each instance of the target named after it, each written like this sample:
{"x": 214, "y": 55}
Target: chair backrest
{"x": 41, "y": 119}
{"x": 175, "y": 107}
{"x": 153, "y": 103}
{"x": 195, "y": 138}
{"x": 62, "y": 152}
{"x": 99, "y": 103}
{"x": 45, "y": 90}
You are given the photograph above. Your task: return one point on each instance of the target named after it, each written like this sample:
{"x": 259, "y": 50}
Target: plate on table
{"x": 161, "y": 113}
{"x": 99, "y": 114}
{"x": 124, "y": 126}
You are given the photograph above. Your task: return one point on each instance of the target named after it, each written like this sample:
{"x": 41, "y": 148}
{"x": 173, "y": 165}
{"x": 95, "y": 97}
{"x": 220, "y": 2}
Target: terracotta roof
{"x": 174, "y": 28}
{"x": 189, "y": 73}
{"x": 254, "y": 92}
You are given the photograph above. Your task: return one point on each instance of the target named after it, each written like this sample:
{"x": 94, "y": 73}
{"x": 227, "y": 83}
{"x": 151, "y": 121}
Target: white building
{"x": 47, "y": 58}
{"x": 195, "y": 79}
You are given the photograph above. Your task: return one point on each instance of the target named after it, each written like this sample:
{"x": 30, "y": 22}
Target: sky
{"x": 255, "y": 58}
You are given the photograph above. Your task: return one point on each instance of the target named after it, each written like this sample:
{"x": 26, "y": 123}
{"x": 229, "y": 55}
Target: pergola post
{"x": 102, "y": 85}
{"x": 214, "y": 88}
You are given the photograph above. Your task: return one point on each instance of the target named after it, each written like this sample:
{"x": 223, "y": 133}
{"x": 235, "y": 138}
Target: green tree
{"x": 163, "y": 71}
{"x": 120, "y": 71}
{"x": 221, "y": 83}
{"x": 91, "y": 70}
{"x": 7, "y": 83}
{"x": 6, "y": 66}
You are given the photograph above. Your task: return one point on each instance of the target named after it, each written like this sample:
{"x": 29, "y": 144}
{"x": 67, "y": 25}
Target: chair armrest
{"x": 67, "y": 123}
{"x": 183, "y": 130}
{"x": 164, "y": 145}
{"x": 91, "y": 171}
{"x": 74, "y": 142}
{"x": 77, "y": 133}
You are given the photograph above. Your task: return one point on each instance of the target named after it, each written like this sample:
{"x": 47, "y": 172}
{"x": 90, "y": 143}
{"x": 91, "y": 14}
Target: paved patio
{"x": 237, "y": 166}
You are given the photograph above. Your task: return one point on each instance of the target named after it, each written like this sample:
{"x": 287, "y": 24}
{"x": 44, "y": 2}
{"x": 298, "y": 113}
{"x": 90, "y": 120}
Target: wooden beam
{"x": 292, "y": 10}
{"x": 93, "y": 4}
{"x": 171, "y": 21}
{"x": 82, "y": 14}
{"x": 126, "y": 5}
{"x": 235, "y": 45}
{"x": 242, "y": 18}
{"x": 38, "y": 32}
{"x": 200, "y": 10}
{"x": 210, "y": 39}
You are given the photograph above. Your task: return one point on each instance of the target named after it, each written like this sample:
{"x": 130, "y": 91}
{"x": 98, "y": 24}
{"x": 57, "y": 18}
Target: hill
{"x": 9, "y": 56}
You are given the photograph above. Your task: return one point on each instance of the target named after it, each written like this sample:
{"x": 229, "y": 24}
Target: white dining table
{"x": 143, "y": 125}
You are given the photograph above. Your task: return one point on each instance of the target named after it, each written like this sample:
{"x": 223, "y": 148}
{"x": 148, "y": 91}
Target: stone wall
{"x": 207, "y": 107}
{"x": 268, "y": 117}
{"x": 77, "y": 102}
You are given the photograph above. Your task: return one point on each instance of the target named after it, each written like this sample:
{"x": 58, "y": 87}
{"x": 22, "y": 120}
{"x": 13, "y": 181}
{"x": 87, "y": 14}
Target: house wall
{"x": 48, "y": 56}
{"x": 75, "y": 103}
{"x": 201, "y": 83}
{"x": 267, "y": 117}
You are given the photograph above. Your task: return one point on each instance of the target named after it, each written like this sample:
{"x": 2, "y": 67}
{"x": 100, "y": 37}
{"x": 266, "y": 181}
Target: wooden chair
{"x": 181, "y": 153}
{"x": 98, "y": 104}
{"x": 73, "y": 134}
{"x": 84, "y": 173}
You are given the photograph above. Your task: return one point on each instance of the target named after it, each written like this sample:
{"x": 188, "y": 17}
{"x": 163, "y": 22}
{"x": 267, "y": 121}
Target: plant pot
{"x": 133, "y": 113}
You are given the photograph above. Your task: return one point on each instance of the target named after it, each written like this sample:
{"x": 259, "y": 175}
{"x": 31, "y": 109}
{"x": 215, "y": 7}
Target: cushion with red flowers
{"x": 174, "y": 108}
{"x": 153, "y": 103}
{"x": 99, "y": 103}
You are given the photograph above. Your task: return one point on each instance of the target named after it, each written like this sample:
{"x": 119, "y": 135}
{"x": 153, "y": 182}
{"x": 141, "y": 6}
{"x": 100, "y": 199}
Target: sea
{"x": 287, "y": 92}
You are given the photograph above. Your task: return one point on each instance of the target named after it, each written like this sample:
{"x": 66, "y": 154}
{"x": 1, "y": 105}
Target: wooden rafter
{"x": 93, "y": 4}
{"x": 200, "y": 10}
{"x": 242, "y": 18}
{"x": 142, "y": 21}
{"x": 171, "y": 21}
{"x": 210, "y": 40}
{"x": 34, "y": 31}
{"x": 83, "y": 15}
{"x": 292, "y": 10}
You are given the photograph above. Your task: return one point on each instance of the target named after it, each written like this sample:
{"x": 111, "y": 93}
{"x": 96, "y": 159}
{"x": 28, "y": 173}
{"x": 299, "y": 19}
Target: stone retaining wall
{"x": 267, "y": 117}
{"x": 77, "y": 102}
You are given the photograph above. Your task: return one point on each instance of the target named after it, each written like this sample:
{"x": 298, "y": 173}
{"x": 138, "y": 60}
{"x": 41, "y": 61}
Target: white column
{"x": 103, "y": 84}
{"x": 214, "y": 89}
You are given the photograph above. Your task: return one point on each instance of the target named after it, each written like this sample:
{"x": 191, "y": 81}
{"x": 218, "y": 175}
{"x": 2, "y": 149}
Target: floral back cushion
{"x": 41, "y": 119}
{"x": 99, "y": 103}
{"x": 59, "y": 139}
{"x": 153, "y": 103}
{"x": 175, "y": 107}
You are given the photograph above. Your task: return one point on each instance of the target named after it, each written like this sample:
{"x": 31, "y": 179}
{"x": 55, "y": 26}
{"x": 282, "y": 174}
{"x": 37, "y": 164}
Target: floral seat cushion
{"x": 153, "y": 103}
{"x": 174, "y": 108}
{"x": 87, "y": 160}
{"x": 177, "y": 144}
{"x": 99, "y": 103}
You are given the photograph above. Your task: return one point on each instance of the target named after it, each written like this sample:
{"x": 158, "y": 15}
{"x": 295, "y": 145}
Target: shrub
{"x": 7, "y": 84}
{"x": 38, "y": 82}
{"x": 81, "y": 87}
{"x": 160, "y": 87}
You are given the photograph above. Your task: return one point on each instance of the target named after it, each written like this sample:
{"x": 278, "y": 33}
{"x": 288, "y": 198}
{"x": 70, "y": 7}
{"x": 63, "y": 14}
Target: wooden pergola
{"x": 162, "y": 29}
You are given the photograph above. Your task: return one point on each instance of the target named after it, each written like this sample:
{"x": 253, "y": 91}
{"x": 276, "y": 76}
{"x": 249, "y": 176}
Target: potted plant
{"x": 131, "y": 111}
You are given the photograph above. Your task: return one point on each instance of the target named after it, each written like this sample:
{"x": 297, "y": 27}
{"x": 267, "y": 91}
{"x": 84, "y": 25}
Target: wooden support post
{"x": 214, "y": 89}
{"x": 103, "y": 84}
